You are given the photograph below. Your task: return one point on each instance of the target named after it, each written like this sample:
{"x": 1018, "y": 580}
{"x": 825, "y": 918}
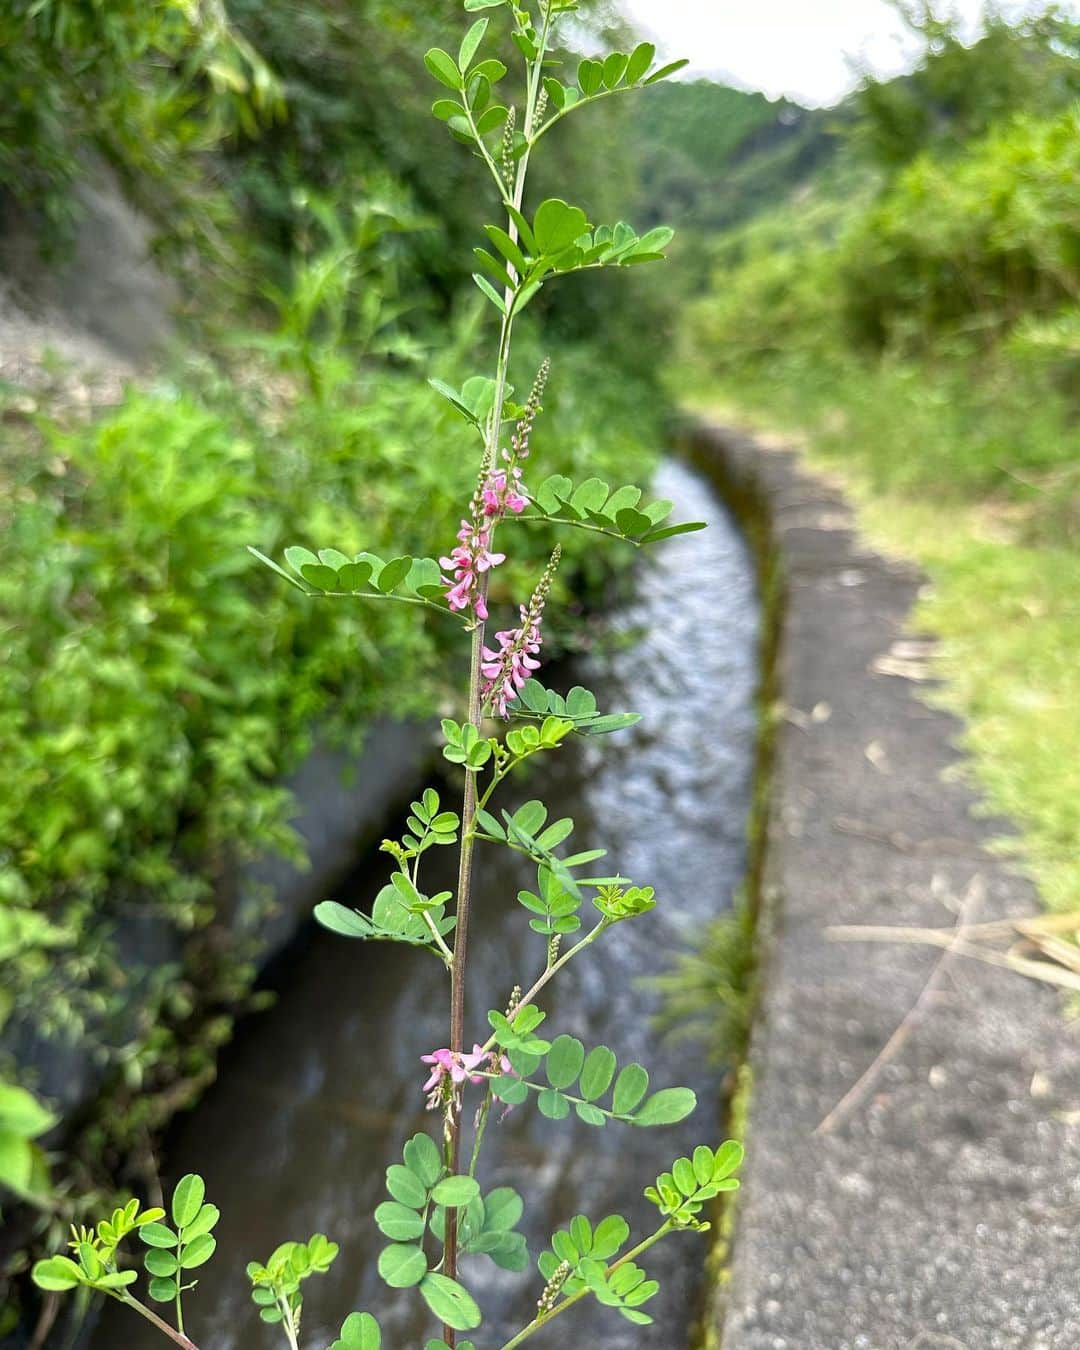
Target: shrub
{"x": 157, "y": 683}
{"x": 970, "y": 244}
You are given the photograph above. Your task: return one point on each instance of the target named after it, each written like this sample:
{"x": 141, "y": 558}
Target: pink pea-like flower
{"x": 507, "y": 669}
{"x": 467, "y": 563}
{"x": 459, "y": 1068}
{"x": 500, "y": 493}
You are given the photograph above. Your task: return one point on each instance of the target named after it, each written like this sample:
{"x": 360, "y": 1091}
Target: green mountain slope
{"x": 710, "y": 156}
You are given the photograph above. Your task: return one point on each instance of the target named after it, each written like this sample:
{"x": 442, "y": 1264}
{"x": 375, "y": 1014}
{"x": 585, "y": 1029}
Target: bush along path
{"x": 913, "y": 1174}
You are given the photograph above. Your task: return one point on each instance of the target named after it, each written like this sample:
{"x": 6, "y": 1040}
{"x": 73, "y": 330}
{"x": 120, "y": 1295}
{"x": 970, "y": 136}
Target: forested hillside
{"x": 710, "y": 156}
{"x": 910, "y": 309}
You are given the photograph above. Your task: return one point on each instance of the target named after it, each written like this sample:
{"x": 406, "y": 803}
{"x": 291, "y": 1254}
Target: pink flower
{"x": 458, "y": 1067}
{"x": 507, "y": 669}
{"x": 500, "y": 493}
{"x": 467, "y": 563}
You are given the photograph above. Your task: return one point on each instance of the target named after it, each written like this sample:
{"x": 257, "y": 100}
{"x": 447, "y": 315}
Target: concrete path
{"x": 943, "y": 1208}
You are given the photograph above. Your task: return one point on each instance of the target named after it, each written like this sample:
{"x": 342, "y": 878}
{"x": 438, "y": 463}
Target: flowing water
{"x": 316, "y": 1096}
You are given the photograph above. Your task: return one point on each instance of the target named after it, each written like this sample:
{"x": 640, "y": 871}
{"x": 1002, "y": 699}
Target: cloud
{"x": 809, "y": 50}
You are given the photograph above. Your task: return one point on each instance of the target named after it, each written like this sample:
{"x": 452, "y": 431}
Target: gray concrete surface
{"x": 944, "y": 1210}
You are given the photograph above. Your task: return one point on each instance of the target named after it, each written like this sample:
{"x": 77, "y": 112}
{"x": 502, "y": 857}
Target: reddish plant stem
{"x": 461, "y": 948}
{"x": 461, "y": 932}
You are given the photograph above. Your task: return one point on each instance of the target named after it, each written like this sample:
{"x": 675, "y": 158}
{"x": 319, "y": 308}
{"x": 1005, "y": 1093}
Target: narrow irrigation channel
{"x": 316, "y": 1097}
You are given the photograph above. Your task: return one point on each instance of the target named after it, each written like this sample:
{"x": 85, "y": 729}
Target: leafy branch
{"x": 593, "y": 505}
{"x": 332, "y": 574}
{"x": 616, "y": 74}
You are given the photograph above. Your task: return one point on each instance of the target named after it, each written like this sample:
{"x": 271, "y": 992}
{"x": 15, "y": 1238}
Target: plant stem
{"x": 464, "y": 889}
{"x": 461, "y": 939}
{"x": 177, "y": 1337}
{"x": 287, "y": 1323}
{"x": 552, "y": 971}
{"x": 543, "y": 1319}
{"x": 465, "y": 858}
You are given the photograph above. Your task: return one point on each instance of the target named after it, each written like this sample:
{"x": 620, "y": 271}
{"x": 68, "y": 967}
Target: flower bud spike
{"x": 549, "y": 1297}
{"x": 508, "y": 167}
{"x": 519, "y": 442}
{"x": 506, "y": 669}
{"x": 540, "y": 113}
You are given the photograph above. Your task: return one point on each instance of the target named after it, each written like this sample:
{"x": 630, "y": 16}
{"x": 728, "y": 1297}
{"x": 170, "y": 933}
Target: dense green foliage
{"x": 958, "y": 93}
{"x": 970, "y": 246}
{"x": 226, "y": 123}
{"x": 158, "y": 684}
{"x": 151, "y": 88}
{"x": 947, "y": 253}
{"x": 917, "y": 320}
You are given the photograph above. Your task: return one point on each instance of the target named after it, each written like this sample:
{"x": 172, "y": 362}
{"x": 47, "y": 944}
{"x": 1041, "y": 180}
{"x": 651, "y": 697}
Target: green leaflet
{"x": 594, "y": 503}
{"x": 359, "y": 1331}
{"x": 450, "y": 1302}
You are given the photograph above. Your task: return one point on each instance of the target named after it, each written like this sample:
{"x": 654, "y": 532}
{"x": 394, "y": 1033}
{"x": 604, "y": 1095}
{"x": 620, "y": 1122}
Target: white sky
{"x": 801, "y": 48}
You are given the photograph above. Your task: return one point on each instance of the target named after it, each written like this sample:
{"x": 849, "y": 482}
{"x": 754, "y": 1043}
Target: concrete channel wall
{"x": 937, "y": 1204}
{"x": 341, "y": 804}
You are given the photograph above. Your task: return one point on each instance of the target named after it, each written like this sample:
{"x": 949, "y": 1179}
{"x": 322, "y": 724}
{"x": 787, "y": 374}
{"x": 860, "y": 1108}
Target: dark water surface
{"x": 317, "y": 1096}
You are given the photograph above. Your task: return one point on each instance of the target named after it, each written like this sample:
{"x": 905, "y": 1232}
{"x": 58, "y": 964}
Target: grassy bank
{"x": 1005, "y": 577}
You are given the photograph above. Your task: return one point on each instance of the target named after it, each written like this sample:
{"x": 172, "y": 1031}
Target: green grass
{"x": 969, "y": 471}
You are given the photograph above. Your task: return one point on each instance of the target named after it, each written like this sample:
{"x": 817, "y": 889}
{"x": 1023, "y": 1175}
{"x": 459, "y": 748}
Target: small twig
{"x": 858, "y": 1090}
{"x": 176, "y": 1336}
{"x": 50, "y": 1306}
{"x": 446, "y": 953}
{"x": 1027, "y": 927}
{"x": 904, "y": 843}
{"x": 1053, "y": 971}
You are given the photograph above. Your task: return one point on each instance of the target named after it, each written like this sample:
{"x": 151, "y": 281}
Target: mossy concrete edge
{"x": 741, "y": 493}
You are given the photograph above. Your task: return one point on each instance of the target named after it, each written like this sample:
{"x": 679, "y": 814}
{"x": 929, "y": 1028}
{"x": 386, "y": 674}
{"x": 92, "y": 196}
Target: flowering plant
{"x": 437, "y": 1211}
